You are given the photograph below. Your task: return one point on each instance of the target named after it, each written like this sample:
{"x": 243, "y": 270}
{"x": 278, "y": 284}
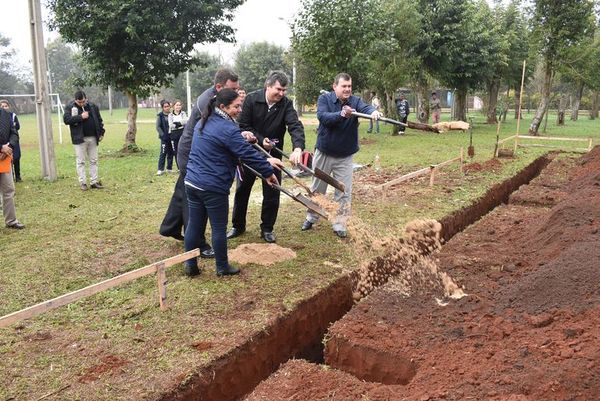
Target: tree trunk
{"x": 577, "y": 102}
{"x": 539, "y": 113}
{"x": 562, "y": 105}
{"x": 131, "y": 121}
{"x": 460, "y": 106}
{"x": 422, "y": 108}
{"x": 493, "y": 88}
{"x": 595, "y": 105}
{"x": 390, "y": 109}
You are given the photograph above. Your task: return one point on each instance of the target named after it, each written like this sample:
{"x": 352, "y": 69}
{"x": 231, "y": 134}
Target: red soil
{"x": 529, "y": 328}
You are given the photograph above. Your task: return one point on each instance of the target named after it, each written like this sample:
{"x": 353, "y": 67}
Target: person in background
{"x": 166, "y": 149}
{"x": 87, "y": 130}
{"x": 376, "y": 104}
{"x": 403, "y": 110}
{"x": 16, "y": 157}
{"x": 177, "y": 120}
{"x": 176, "y": 216}
{"x": 337, "y": 141}
{"x": 217, "y": 145}
{"x": 242, "y": 93}
{"x": 435, "y": 107}
{"x": 8, "y": 140}
{"x": 267, "y": 113}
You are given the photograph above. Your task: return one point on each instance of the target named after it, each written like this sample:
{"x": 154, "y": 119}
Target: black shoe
{"x": 96, "y": 185}
{"x": 268, "y": 236}
{"x": 235, "y": 232}
{"x": 207, "y": 254}
{"x": 18, "y": 179}
{"x": 16, "y": 226}
{"x": 229, "y": 271}
{"x": 307, "y": 225}
{"x": 191, "y": 270}
{"x": 341, "y": 233}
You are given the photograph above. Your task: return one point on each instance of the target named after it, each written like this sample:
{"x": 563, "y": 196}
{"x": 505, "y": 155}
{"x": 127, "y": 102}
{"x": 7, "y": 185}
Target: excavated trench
{"x": 299, "y": 333}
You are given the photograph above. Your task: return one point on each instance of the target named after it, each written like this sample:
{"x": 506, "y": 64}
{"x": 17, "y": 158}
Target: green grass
{"x": 76, "y": 238}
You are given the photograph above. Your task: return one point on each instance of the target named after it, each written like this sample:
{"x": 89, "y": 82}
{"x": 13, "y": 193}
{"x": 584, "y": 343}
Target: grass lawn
{"x": 76, "y": 238}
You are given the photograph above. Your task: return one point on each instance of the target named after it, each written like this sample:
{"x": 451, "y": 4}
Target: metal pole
{"x": 295, "y": 103}
{"x": 42, "y": 99}
{"x": 188, "y": 90}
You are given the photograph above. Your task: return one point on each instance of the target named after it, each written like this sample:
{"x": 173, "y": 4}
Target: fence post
{"x": 432, "y": 177}
{"x": 161, "y": 279}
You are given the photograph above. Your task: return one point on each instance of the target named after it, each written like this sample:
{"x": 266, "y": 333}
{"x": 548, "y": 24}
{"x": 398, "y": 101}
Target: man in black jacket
{"x": 266, "y": 113}
{"x": 87, "y": 130}
{"x": 8, "y": 141}
{"x": 177, "y": 214}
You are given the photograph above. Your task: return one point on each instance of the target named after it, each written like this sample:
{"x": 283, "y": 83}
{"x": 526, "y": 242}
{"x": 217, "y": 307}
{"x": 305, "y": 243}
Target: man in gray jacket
{"x": 177, "y": 213}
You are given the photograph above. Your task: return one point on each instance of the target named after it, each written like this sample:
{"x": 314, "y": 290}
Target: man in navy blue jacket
{"x": 337, "y": 142}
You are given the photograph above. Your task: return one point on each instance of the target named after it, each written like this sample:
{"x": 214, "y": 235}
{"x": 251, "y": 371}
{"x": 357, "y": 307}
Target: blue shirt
{"x": 215, "y": 153}
{"x": 338, "y": 136}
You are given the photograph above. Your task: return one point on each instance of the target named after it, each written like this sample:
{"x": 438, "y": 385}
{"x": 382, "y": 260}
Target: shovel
{"x": 285, "y": 170}
{"x": 318, "y": 173}
{"x": 409, "y": 124}
{"x": 309, "y": 204}
{"x": 471, "y": 149}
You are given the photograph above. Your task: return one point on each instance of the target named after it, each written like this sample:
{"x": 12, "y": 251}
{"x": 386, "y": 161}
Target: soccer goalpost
{"x": 56, "y": 104}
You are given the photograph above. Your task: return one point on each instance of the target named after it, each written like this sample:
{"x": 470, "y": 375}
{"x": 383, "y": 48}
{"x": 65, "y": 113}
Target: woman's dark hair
{"x": 224, "y": 97}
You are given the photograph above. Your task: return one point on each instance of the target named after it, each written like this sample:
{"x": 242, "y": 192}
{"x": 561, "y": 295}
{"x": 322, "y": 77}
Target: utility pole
{"x": 42, "y": 98}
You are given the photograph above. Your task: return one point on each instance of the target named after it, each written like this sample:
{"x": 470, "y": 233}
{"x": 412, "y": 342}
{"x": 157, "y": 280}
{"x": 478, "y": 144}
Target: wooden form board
{"x": 424, "y": 171}
{"x": 101, "y": 286}
{"x": 590, "y": 142}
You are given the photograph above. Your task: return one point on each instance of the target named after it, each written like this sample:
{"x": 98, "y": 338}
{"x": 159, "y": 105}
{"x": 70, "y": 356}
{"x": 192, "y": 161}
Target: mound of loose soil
{"x": 489, "y": 165}
{"x": 260, "y": 254}
{"x": 528, "y": 329}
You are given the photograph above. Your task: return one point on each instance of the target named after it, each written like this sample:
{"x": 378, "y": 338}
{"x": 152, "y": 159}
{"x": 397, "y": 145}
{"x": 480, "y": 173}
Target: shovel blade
{"x": 311, "y": 205}
{"x": 320, "y": 174}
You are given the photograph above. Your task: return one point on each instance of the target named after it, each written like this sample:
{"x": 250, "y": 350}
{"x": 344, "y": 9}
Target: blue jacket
{"x": 215, "y": 152}
{"x": 338, "y": 136}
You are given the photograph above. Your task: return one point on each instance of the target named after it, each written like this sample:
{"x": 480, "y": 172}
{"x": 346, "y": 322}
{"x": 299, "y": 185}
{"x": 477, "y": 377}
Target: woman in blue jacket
{"x": 217, "y": 146}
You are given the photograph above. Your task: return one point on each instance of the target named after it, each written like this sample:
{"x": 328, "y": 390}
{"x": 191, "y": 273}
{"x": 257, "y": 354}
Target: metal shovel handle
{"x": 318, "y": 173}
{"x": 298, "y": 198}
{"x": 385, "y": 119}
{"x": 285, "y": 170}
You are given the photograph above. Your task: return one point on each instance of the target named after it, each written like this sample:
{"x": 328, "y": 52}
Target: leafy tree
{"x": 10, "y": 79}
{"x": 458, "y": 45}
{"x": 138, "y": 46}
{"x": 254, "y": 61}
{"x": 557, "y": 27}
{"x": 328, "y": 37}
{"x": 390, "y": 56}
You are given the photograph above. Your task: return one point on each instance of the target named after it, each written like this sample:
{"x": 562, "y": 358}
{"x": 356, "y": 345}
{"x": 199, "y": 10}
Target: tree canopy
{"x": 137, "y": 46}
{"x": 254, "y": 61}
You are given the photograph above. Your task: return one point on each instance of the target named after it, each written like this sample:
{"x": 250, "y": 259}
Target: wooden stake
{"x": 161, "y": 279}
{"x": 432, "y": 177}
{"x": 520, "y": 107}
{"x": 590, "y": 145}
{"x": 462, "y": 158}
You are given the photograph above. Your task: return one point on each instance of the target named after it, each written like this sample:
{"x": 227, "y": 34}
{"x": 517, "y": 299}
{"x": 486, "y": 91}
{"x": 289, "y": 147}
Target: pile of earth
{"x": 527, "y": 330}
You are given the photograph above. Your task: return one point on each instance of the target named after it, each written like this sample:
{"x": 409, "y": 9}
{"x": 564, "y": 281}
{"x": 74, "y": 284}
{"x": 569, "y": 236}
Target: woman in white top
{"x": 177, "y": 120}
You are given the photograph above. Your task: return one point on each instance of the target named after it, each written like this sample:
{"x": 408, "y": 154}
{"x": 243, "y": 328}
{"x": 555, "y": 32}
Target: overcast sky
{"x": 255, "y": 21}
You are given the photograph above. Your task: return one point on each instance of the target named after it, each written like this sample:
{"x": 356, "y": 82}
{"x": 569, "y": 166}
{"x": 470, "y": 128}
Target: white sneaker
{"x": 160, "y": 172}
{"x": 170, "y": 171}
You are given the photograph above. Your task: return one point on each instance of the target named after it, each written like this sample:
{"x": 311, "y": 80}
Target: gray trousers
{"x": 87, "y": 150}
{"x": 7, "y": 189}
{"x": 340, "y": 168}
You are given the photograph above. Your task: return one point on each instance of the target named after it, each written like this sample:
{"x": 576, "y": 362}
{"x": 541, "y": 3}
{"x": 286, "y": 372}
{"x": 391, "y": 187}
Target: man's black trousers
{"x": 270, "y": 203}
